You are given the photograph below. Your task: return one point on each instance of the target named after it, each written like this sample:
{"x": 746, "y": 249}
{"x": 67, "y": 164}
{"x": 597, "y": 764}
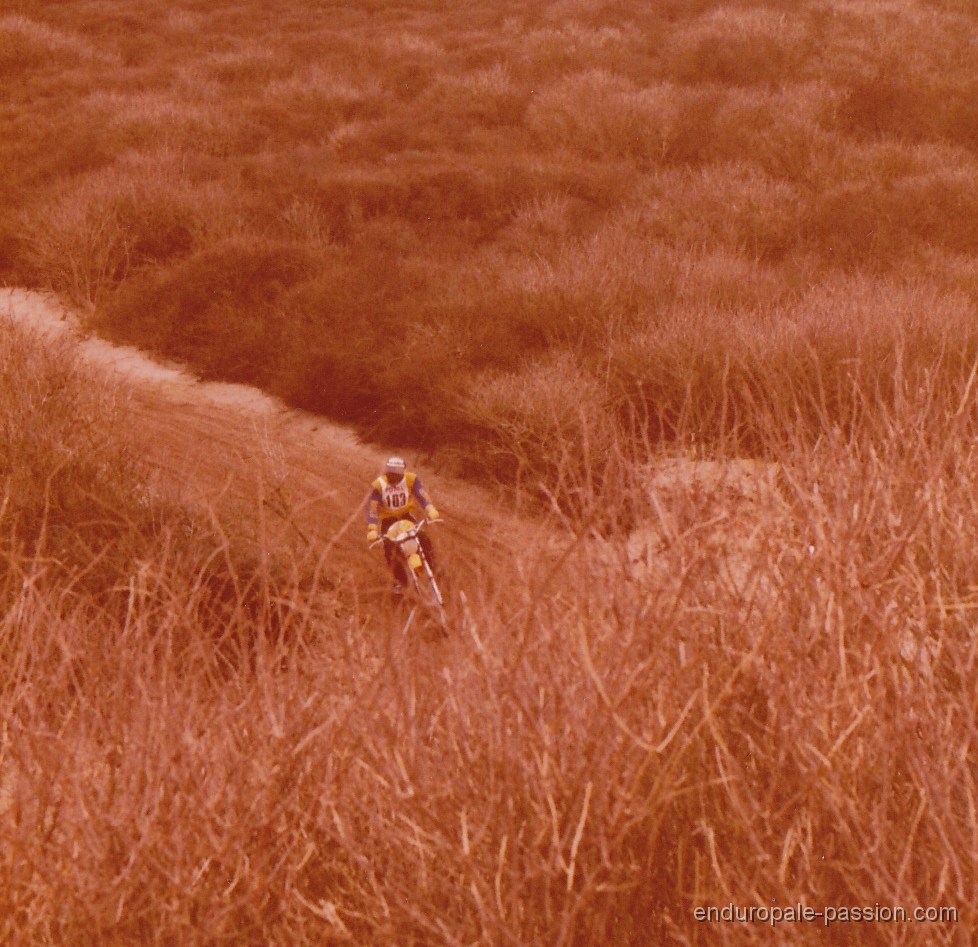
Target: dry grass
{"x": 606, "y": 239}
{"x": 26, "y": 42}
{"x": 759, "y": 692}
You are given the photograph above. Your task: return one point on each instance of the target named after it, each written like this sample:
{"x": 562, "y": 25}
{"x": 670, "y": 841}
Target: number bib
{"x": 395, "y": 498}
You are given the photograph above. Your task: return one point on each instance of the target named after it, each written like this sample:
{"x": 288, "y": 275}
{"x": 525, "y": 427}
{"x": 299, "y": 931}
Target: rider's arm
{"x": 373, "y": 514}
{"x": 424, "y": 501}
{"x": 373, "y": 507}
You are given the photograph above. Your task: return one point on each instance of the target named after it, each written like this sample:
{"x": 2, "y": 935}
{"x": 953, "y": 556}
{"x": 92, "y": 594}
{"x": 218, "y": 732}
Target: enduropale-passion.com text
{"x": 838, "y": 914}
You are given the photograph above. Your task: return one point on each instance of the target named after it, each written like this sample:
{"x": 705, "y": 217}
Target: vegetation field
{"x": 478, "y": 226}
{"x": 553, "y": 244}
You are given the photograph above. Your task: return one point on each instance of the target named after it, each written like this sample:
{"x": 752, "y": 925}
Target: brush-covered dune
{"x": 216, "y": 730}
{"x": 687, "y": 289}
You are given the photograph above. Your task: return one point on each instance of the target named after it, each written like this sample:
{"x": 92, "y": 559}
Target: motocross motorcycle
{"x": 404, "y": 535}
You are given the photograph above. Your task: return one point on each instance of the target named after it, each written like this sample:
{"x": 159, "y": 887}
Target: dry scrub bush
{"x": 777, "y": 131}
{"x": 305, "y": 223}
{"x": 91, "y": 236}
{"x": 816, "y": 361}
{"x": 71, "y": 504}
{"x": 746, "y": 209}
{"x": 250, "y": 66}
{"x": 414, "y": 45}
{"x": 215, "y": 308}
{"x": 29, "y": 43}
{"x": 81, "y": 512}
{"x": 155, "y": 120}
{"x": 600, "y": 114}
{"x": 486, "y": 96}
{"x": 958, "y": 272}
{"x": 184, "y": 21}
{"x": 548, "y": 216}
{"x": 317, "y": 87}
{"x": 592, "y": 292}
{"x": 76, "y": 247}
{"x": 589, "y": 291}
{"x": 144, "y": 791}
{"x": 853, "y": 220}
{"x": 733, "y": 46}
{"x": 570, "y": 46}
{"x": 920, "y": 86}
{"x": 527, "y": 416}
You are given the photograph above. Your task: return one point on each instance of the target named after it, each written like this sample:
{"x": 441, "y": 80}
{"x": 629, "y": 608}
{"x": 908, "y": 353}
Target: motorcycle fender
{"x": 414, "y": 562}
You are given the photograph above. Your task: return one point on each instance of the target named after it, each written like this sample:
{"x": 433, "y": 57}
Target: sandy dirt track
{"x": 208, "y": 441}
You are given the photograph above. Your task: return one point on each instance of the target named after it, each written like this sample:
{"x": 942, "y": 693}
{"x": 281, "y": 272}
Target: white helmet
{"x": 394, "y": 468}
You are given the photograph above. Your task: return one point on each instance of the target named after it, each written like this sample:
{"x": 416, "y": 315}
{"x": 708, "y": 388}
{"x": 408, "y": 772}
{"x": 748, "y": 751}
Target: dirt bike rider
{"x": 398, "y": 494}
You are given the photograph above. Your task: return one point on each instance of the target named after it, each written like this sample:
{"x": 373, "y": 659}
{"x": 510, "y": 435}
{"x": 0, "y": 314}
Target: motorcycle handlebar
{"x": 409, "y": 534}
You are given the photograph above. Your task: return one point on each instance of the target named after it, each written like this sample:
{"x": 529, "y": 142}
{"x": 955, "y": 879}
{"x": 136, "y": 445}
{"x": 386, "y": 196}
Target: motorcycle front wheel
{"x": 430, "y": 592}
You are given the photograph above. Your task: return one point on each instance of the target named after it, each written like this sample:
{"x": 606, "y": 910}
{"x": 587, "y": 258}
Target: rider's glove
{"x": 372, "y": 536}
{"x": 433, "y": 514}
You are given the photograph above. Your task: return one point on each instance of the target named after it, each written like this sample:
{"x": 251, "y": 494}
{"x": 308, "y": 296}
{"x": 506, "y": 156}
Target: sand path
{"x": 211, "y": 440}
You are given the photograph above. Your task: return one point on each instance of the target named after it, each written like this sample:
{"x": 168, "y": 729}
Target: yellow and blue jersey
{"x": 390, "y": 500}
